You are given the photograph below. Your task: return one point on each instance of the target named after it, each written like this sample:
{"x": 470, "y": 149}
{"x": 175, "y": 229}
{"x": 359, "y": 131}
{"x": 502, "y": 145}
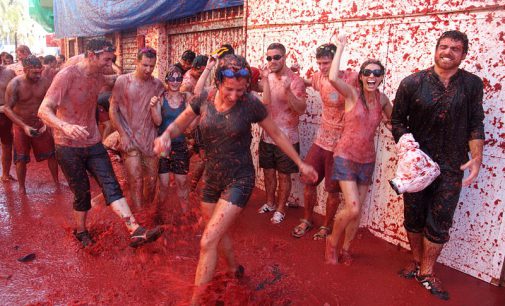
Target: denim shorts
{"x": 347, "y": 170}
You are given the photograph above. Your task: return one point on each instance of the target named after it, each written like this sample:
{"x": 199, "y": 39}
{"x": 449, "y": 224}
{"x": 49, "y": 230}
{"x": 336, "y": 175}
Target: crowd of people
{"x": 84, "y": 114}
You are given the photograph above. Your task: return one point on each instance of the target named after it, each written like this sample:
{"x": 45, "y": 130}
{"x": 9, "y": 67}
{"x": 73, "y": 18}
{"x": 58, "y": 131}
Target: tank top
{"x": 357, "y": 140}
{"x": 168, "y": 115}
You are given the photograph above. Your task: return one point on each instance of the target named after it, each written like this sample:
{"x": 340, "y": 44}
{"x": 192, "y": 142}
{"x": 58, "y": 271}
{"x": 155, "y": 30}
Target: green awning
{"x": 42, "y": 13}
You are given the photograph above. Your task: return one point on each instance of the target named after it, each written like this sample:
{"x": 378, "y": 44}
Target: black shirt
{"x": 442, "y": 120}
{"x": 227, "y": 135}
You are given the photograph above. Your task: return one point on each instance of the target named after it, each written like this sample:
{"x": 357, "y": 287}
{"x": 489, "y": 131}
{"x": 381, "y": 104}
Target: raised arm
{"x": 265, "y": 86}
{"x": 340, "y": 85}
{"x": 296, "y": 101}
{"x": 200, "y": 84}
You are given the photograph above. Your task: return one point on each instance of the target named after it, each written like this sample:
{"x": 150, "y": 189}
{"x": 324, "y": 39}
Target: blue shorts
{"x": 237, "y": 191}
{"x": 347, "y": 170}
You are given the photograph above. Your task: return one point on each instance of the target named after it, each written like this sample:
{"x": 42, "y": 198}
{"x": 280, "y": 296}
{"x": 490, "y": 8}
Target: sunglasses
{"x": 375, "y": 72}
{"x": 172, "y": 79}
{"x": 275, "y": 57}
{"x": 147, "y": 50}
{"x": 228, "y": 73}
{"x": 105, "y": 49}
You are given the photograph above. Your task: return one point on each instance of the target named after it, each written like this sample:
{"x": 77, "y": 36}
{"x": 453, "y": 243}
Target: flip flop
{"x": 322, "y": 233}
{"x": 300, "y": 230}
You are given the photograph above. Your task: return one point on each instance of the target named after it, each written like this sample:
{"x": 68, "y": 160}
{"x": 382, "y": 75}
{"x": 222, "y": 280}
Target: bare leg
{"x": 181, "y": 182}
{"x": 150, "y": 165}
{"x": 284, "y": 191}
{"x": 270, "y": 185}
{"x": 21, "y": 174}
{"x": 416, "y": 244}
{"x": 309, "y": 201}
{"x": 431, "y": 251}
{"x": 332, "y": 204}
{"x": 353, "y": 226}
{"x": 345, "y": 216}
{"x": 164, "y": 180}
{"x": 200, "y": 168}
{"x": 222, "y": 218}
{"x": 53, "y": 168}
{"x": 121, "y": 208}
{"x": 6, "y": 162}
{"x": 134, "y": 174}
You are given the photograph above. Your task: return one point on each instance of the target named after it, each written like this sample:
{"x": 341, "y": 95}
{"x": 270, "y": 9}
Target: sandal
{"x": 278, "y": 217}
{"x": 265, "y": 208}
{"x": 322, "y": 233}
{"x": 301, "y": 229}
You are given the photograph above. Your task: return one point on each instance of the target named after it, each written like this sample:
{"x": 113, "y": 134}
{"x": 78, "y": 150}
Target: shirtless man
{"x": 50, "y": 67}
{"x": 130, "y": 113}
{"x": 22, "y": 100}
{"x": 22, "y": 52}
{"x": 69, "y": 108}
{"x": 193, "y": 74}
{"x": 5, "y": 125}
{"x": 285, "y": 105}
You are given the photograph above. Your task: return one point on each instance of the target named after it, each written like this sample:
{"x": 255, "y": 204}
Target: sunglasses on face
{"x": 172, "y": 79}
{"x": 105, "y": 49}
{"x": 375, "y": 72}
{"x": 275, "y": 57}
{"x": 228, "y": 73}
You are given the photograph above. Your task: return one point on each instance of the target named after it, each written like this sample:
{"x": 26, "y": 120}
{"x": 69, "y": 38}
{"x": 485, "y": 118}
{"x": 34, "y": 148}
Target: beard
{"x": 447, "y": 64}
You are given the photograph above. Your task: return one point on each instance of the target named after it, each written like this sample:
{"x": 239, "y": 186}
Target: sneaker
{"x": 84, "y": 238}
{"x": 410, "y": 271}
{"x": 434, "y": 285}
{"x": 142, "y": 236}
{"x": 265, "y": 208}
{"x": 278, "y": 217}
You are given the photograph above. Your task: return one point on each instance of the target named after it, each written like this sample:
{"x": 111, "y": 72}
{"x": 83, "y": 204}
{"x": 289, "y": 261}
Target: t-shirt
{"x": 442, "y": 120}
{"x": 333, "y": 108}
{"x": 227, "y": 135}
{"x": 133, "y": 97}
{"x": 286, "y": 119}
{"x": 76, "y": 94}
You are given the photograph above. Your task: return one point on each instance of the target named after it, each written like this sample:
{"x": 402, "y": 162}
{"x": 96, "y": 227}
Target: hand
{"x": 162, "y": 144}
{"x": 295, "y": 67}
{"x": 31, "y": 132}
{"x": 286, "y": 82}
{"x": 474, "y": 165}
{"x": 74, "y": 131}
{"x": 308, "y": 172}
{"x": 265, "y": 71}
{"x": 211, "y": 62}
{"x": 341, "y": 40}
{"x": 126, "y": 144}
{"x": 154, "y": 101}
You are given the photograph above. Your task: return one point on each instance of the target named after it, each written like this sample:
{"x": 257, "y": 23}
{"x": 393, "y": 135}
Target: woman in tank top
{"x": 354, "y": 155}
{"x": 165, "y": 109}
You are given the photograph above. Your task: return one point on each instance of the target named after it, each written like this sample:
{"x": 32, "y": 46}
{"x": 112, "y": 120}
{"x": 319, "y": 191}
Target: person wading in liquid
{"x": 354, "y": 155}
{"x": 226, "y": 120}
{"x": 69, "y": 107}
{"x": 285, "y": 105}
{"x": 22, "y": 100}
{"x": 442, "y": 107}
{"x": 130, "y": 112}
{"x": 6, "y": 75}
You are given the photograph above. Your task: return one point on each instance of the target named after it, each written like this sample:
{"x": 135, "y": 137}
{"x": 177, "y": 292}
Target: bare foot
{"x": 330, "y": 252}
{"x": 345, "y": 257}
{"x": 8, "y": 178}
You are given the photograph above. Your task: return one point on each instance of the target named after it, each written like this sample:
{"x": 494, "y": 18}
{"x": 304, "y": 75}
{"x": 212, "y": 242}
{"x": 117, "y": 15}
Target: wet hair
{"x": 361, "y": 69}
{"x": 457, "y": 36}
{"x": 62, "y": 57}
{"x": 277, "y": 46}
{"x": 227, "y": 52}
{"x": 173, "y": 69}
{"x": 24, "y": 49}
{"x": 31, "y": 61}
{"x": 188, "y": 56}
{"x": 98, "y": 45}
{"x": 48, "y": 59}
{"x": 326, "y": 50}
{"x": 232, "y": 62}
{"x": 146, "y": 52}
{"x": 200, "y": 61}
{"x": 9, "y": 56}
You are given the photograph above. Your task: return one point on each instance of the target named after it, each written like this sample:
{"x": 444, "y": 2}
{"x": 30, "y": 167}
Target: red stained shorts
{"x": 322, "y": 161}
{"x": 42, "y": 145}
{"x": 5, "y": 130}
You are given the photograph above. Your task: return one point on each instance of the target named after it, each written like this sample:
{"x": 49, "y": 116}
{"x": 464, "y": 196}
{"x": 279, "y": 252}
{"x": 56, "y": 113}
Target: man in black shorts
{"x": 69, "y": 107}
{"x": 442, "y": 107}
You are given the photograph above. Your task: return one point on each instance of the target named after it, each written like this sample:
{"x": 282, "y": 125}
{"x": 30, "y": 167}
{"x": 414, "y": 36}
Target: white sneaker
{"x": 278, "y": 217}
{"x": 265, "y": 208}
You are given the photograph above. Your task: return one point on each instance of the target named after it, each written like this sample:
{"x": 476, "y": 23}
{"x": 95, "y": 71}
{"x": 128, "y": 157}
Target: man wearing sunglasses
{"x": 130, "y": 112}
{"x": 285, "y": 104}
{"x": 69, "y": 107}
{"x": 442, "y": 107}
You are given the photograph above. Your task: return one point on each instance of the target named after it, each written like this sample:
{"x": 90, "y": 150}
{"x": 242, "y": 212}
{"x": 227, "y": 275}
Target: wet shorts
{"x": 347, "y": 170}
{"x": 75, "y": 162}
{"x": 236, "y": 191}
{"x": 42, "y": 145}
{"x": 5, "y": 130}
{"x": 271, "y": 157}
{"x": 322, "y": 161}
{"x": 177, "y": 162}
{"x": 431, "y": 210}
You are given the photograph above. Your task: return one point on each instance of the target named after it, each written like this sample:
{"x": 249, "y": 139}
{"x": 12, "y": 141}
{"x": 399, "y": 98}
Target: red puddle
{"x": 279, "y": 269}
